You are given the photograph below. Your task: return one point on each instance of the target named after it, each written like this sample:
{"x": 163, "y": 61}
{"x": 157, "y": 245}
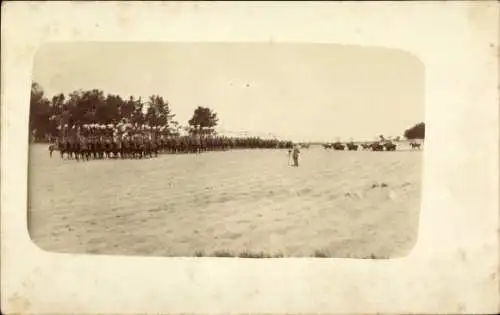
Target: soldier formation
{"x": 133, "y": 141}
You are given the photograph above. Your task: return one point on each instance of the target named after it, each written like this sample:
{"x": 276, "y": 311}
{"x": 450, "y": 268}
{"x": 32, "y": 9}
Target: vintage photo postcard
{"x": 250, "y": 157}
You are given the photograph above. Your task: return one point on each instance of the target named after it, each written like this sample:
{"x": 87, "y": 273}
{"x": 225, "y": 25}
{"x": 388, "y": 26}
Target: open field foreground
{"x": 236, "y": 203}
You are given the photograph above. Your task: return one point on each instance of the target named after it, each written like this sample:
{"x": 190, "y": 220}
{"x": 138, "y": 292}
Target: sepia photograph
{"x": 190, "y": 157}
{"x": 247, "y": 150}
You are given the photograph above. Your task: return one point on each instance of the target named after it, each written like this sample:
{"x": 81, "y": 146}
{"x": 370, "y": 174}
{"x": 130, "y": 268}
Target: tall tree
{"x": 93, "y": 106}
{"x": 92, "y": 101}
{"x": 203, "y": 119}
{"x": 40, "y": 112}
{"x": 138, "y": 113}
{"x": 57, "y": 104}
{"x": 111, "y": 112}
{"x": 415, "y": 132}
{"x": 158, "y": 112}
{"x": 127, "y": 109}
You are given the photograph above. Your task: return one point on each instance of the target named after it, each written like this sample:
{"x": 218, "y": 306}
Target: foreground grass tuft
{"x": 223, "y": 253}
{"x": 199, "y": 253}
{"x": 321, "y": 253}
{"x": 373, "y": 256}
{"x": 249, "y": 254}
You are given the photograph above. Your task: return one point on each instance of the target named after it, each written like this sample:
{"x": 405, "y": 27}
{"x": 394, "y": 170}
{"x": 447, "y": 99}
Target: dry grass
{"x": 247, "y": 204}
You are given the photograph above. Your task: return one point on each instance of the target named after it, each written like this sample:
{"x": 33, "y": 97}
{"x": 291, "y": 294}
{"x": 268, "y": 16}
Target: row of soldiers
{"x": 143, "y": 142}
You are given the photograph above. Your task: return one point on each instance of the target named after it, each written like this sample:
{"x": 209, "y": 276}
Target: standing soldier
{"x": 295, "y": 155}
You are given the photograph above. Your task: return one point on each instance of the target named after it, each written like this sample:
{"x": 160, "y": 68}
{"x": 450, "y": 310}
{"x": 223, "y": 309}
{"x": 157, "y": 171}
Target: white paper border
{"x": 454, "y": 266}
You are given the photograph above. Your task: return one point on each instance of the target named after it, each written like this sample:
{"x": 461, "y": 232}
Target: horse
{"x": 94, "y": 148}
{"x": 366, "y": 146}
{"x": 377, "y": 147}
{"x": 74, "y": 149}
{"x": 415, "y": 145}
{"x": 125, "y": 148}
{"x": 327, "y": 146}
{"x": 84, "y": 149}
{"x": 62, "y": 147}
{"x": 389, "y": 146}
{"x": 52, "y": 148}
{"x": 116, "y": 148}
{"x": 352, "y": 147}
{"x": 149, "y": 148}
{"x": 101, "y": 149}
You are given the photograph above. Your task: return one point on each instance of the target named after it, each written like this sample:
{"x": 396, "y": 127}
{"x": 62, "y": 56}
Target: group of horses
{"x": 373, "y": 146}
{"x": 139, "y": 148}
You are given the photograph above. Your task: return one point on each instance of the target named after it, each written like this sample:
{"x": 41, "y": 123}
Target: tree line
{"x": 95, "y": 107}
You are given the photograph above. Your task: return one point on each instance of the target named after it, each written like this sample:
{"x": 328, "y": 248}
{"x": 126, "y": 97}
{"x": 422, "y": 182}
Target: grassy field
{"x": 247, "y": 203}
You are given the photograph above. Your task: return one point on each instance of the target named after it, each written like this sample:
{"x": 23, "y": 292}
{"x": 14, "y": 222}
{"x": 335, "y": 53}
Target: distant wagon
{"x": 338, "y": 146}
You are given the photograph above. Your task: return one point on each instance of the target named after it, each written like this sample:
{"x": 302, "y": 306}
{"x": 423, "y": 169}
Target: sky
{"x": 299, "y": 92}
